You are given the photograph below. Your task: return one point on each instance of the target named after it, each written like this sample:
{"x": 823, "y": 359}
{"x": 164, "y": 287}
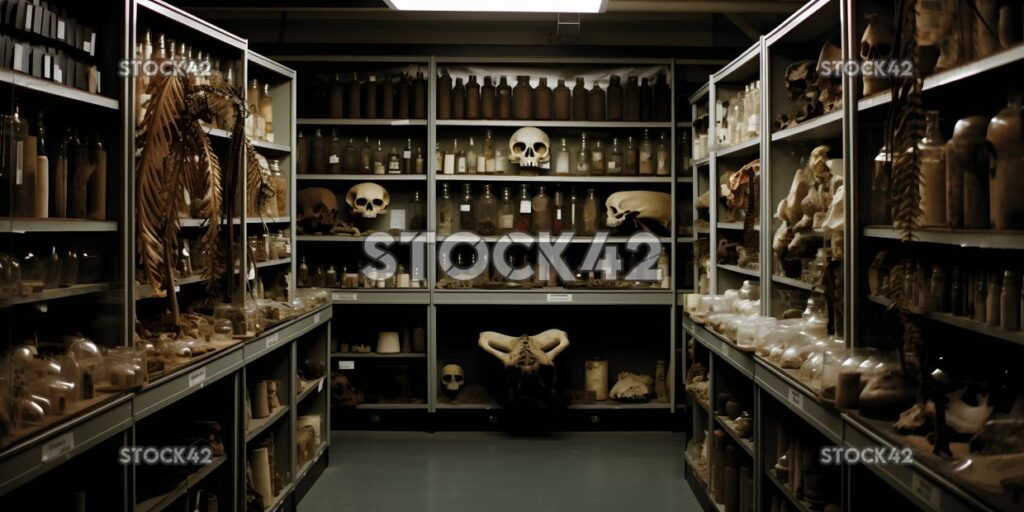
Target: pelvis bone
{"x": 527, "y": 353}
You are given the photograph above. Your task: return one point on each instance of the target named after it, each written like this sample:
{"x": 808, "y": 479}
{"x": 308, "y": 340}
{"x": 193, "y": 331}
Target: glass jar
{"x": 562, "y": 158}
{"x": 467, "y": 218}
{"x": 589, "y": 216}
{"x": 582, "y": 157}
{"x": 524, "y": 210}
{"x": 541, "y": 206}
{"x": 487, "y": 213}
{"x": 646, "y": 156}
{"x": 445, "y": 212}
{"x": 597, "y": 159}
{"x": 280, "y": 189}
{"x": 932, "y": 149}
{"x": 614, "y": 159}
{"x": 417, "y": 212}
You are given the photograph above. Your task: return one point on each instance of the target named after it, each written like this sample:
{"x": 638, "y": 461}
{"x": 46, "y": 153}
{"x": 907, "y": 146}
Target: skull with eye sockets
{"x": 368, "y": 200}
{"x": 529, "y": 147}
{"x": 453, "y": 378}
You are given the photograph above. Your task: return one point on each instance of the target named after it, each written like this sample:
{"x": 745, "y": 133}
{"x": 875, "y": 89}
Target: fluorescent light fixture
{"x": 565, "y": 6}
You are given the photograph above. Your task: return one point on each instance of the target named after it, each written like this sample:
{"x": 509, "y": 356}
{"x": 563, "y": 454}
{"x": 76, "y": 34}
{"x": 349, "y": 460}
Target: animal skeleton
{"x": 527, "y": 353}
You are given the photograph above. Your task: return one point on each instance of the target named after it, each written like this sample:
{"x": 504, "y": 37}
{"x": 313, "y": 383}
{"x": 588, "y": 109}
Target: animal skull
{"x": 527, "y": 353}
{"x": 368, "y": 200}
{"x": 453, "y": 377}
{"x": 875, "y": 45}
{"x": 317, "y": 209}
{"x": 631, "y": 387}
{"x": 643, "y": 204}
{"x": 343, "y": 392}
{"x": 529, "y": 147}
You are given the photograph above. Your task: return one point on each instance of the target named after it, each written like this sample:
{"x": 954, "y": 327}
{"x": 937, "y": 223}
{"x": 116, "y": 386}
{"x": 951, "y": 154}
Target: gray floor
{"x": 493, "y": 472}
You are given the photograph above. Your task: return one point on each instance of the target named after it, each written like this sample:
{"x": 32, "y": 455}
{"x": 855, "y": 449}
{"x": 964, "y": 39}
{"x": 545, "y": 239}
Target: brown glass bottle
{"x": 459, "y": 100}
{"x": 614, "y": 98}
{"x": 561, "y": 100}
{"x": 334, "y": 150}
{"x": 472, "y": 98}
{"x": 302, "y": 154}
{"x": 646, "y": 100}
{"x": 355, "y": 98}
{"x": 579, "y": 101}
{"x": 336, "y": 97}
{"x": 522, "y": 98}
{"x": 631, "y": 100}
{"x": 596, "y": 104}
{"x": 402, "y": 91}
{"x": 504, "y": 97}
{"x": 419, "y": 96}
{"x": 487, "y": 99}
{"x": 542, "y": 100}
{"x": 444, "y": 96}
{"x": 319, "y": 162}
{"x": 387, "y": 98}
{"x": 372, "y": 88}
{"x": 662, "y": 98}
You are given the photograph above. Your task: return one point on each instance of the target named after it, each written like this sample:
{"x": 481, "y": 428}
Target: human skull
{"x": 644, "y": 204}
{"x": 529, "y": 147}
{"x": 876, "y": 44}
{"x": 801, "y": 76}
{"x": 317, "y": 209}
{"x": 453, "y": 377}
{"x": 368, "y": 200}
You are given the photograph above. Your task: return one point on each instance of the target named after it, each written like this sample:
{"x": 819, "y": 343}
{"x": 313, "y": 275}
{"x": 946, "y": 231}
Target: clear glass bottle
{"x": 467, "y": 217}
{"x": 646, "y": 162}
{"x": 350, "y": 158}
{"x": 379, "y": 159}
{"x": 583, "y": 157}
{"x": 366, "y": 157}
{"x": 506, "y": 212}
{"x": 471, "y": 157}
{"x": 445, "y": 212}
{"x": 663, "y": 165}
{"x": 932, "y": 149}
{"x": 267, "y": 112}
{"x": 280, "y": 189}
{"x": 331, "y": 277}
{"x": 938, "y": 299}
{"x": 881, "y": 188}
{"x": 589, "y": 216}
{"x": 417, "y": 212}
{"x": 735, "y": 116}
{"x": 615, "y": 159}
{"x": 597, "y": 159}
{"x": 394, "y": 161}
{"x": 439, "y": 159}
{"x": 992, "y": 301}
{"x": 487, "y": 213}
{"x": 420, "y": 163}
{"x": 489, "y": 156}
{"x": 408, "y": 164}
{"x": 541, "y": 214}
{"x": 562, "y": 159}
{"x": 303, "y": 272}
{"x": 524, "y": 209}
{"x": 460, "y": 158}
{"x": 500, "y": 161}
{"x": 630, "y": 158}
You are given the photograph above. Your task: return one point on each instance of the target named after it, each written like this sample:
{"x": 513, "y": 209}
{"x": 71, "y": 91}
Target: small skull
{"x": 317, "y": 210}
{"x": 529, "y": 147}
{"x": 368, "y": 200}
{"x": 453, "y": 377}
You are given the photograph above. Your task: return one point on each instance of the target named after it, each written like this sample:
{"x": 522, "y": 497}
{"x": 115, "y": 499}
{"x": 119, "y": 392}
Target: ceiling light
{"x": 500, "y": 5}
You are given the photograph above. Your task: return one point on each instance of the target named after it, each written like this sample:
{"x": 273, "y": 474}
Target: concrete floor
{"x": 479, "y": 471}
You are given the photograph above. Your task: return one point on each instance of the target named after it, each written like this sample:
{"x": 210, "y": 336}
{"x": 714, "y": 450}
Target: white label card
{"x": 344, "y": 297}
{"x": 926, "y": 491}
{"x": 407, "y": 154}
{"x": 524, "y": 206}
{"x": 559, "y": 297}
{"x": 397, "y": 219}
{"x": 320, "y": 385}
{"x": 60, "y": 30}
{"x": 465, "y": 207}
{"x": 197, "y": 378}
{"x": 19, "y": 58}
{"x": 28, "y": 17}
{"x": 796, "y": 398}
{"x": 58, "y": 73}
{"x": 58, "y": 447}
{"x": 272, "y": 340}
{"x": 316, "y": 318}
{"x": 333, "y": 159}
{"x": 346, "y": 365}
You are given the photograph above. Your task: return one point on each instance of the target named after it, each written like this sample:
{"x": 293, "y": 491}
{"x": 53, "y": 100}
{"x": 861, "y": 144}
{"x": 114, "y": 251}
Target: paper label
{"x": 272, "y": 340}
{"x": 87, "y": 46}
{"x": 60, "y": 30}
{"x": 612, "y": 165}
{"x": 559, "y": 297}
{"x": 343, "y": 297}
{"x": 926, "y": 491}
{"x": 58, "y": 73}
{"x": 397, "y": 219}
{"x": 58, "y": 447}
{"x": 333, "y": 159}
{"x": 524, "y": 206}
{"x": 197, "y": 378}
{"x": 316, "y": 318}
{"x": 407, "y": 154}
{"x": 796, "y": 398}
{"x": 449, "y": 164}
{"x": 47, "y": 67}
{"x": 320, "y": 385}
{"x": 28, "y": 17}
{"x": 558, "y": 214}
{"x": 505, "y": 222}
{"x": 19, "y": 57}
{"x": 92, "y": 45}
{"x": 465, "y": 207}
{"x": 252, "y": 273}
{"x": 346, "y": 365}
{"x": 461, "y": 169}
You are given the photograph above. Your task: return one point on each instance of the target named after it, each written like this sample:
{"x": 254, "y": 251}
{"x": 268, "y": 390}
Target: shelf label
{"x": 316, "y": 318}
{"x": 465, "y": 207}
{"x": 344, "y": 297}
{"x": 397, "y": 219}
{"x": 346, "y": 365}
{"x": 272, "y": 340}
{"x": 559, "y": 297}
{"x": 58, "y": 447}
{"x": 925, "y": 490}
{"x": 400, "y": 122}
{"x": 524, "y": 206}
{"x": 796, "y": 398}
{"x": 320, "y": 385}
{"x": 197, "y": 378}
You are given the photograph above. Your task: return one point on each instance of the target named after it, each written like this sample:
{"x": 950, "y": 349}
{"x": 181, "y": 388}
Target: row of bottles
{"x": 972, "y": 181}
{"x": 953, "y": 33}
{"x": 60, "y": 268}
{"x": 490, "y": 215}
{"x": 492, "y": 278}
{"x": 329, "y": 276}
{"x": 330, "y": 155}
{"x": 259, "y": 124}
{"x": 589, "y": 157}
{"x": 638, "y": 100}
{"x": 738, "y": 119}
{"x": 388, "y": 97}
{"x": 75, "y": 186}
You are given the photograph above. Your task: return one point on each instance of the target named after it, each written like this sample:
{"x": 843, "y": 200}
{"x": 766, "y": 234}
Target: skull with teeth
{"x": 453, "y": 378}
{"x": 368, "y": 200}
{"x": 529, "y": 147}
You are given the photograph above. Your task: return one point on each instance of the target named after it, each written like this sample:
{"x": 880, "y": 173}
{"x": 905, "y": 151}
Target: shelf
{"x": 740, "y": 270}
{"x": 799, "y": 504}
{"x": 195, "y": 223}
{"x": 741, "y": 360}
{"x": 613, "y": 406}
{"x": 799, "y": 399}
{"x": 496, "y": 123}
{"x": 185, "y": 380}
{"x": 746, "y": 444}
{"x": 554, "y": 178}
{"x": 393, "y": 407}
{"x": 374, "y": 355}
{"x": 701, "y": 403}
{"x": 19, "y": 79}
{"x": 279, "y": 499}
{"x": 545, "y": 296}
{"x": 736, "y": 226}
{"x": 748, "y": 148}
{"x": 961, "y": 322}
{"x": 378, "y": 296}
{"x": 158, "y": 503}
{"x": 304, "y": 470}
{"x": 271, "y": 147}
{"x": 273, "y": 263}
{"x": 685, "y": 239}
{"x": 980, "y": 238}
{"x": 468, "y": 407}
{"x": 257, "y": 426}
{"x": 361, "y": 177}
{"x": 466, "y": 237}
{"x": 308, "y": 388}
{"x": 19, "y": 225}
{"x": 323, "y": 121}
{"x": 55, "y": 294}
{"x": 283, "y": 333}
{"x": 144, "y": 291}
{"x": 794, "y": 283}
{"x": 218, "y": 133}
{"x": 875, "y": 100}
{"x": 684, "y": 179}
{"x": 817, "y": 130}
{"x": 702, "y": 162}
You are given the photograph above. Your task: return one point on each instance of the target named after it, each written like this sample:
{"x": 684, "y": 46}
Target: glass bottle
{"x": 615, "y": 158}
{"x": 646, "y": 102}
{"x": 487, "y": 99}
{"x": 445, "y": 212}
{"x": 662, "y": 166}
{"x": 938, "y": 300}
{"x": 630, "y": 158}
{"x": 597, "y": 159}
{"x": 524, "y": 209}
{"x": 582, "y": 157}
{"x": 503, "y": 105}
{"x": 417, "y": 212}
{"x": 459, "y": 100}
{"x": 438, "y": 159}
{"x": 449, "y": 159}
{"x": 379, "y": 158}
{"x": 522, "y": 98}
{"x": 419, "y": 88}
{"x": 467, "y": 217}
{"x": 42, "y": 180}
{"x": 460, "y": 158}
{"x": 542, "y": 100}
{"x": 280, "y": 189}
{"x": 596, "y": 103}
{"x": 646, "y": 163}
{"x": 980, "y": 296}
{"x": 614, "y": 98}
{"x": 631, "y": 100}
{"x": 1006, "y": 178}
{"x": 370, "y": 100}
{"x": 402, "y": 92}
{"x": 881, "y": 188}
{"x": 421, "y": 163}
{"x": 932, "y": 148}
{"x": 487, "y": 213}
{"x": 444, "y": 95}
{"x": 331, "y": 277}
{"x": 350, "y": 158}
{"x": 562, "y": 159}
{"x": 366, "y": 157}
{"x": 1009, "y": 314}
{"x": 252, "y": 98}
{"x": 489, "y": 156}
{"x": 355, "y": 100}
{"x": 580, "y": 100}
{"x": 573, "y": 211}
{"x": 992, "y": 302}
{"x": 394, "y": 161}
{"x": 471, "y": 158}
{"x": 320, "y": 161}
{"x": 506, "y": 212}
{"x": 302, "y": 150}
{"x": 472, "y": 98}
{"x": 956, "y": 293}
{"x": 541, "y": 215}
{"x": 589, "y": 217}
{"x": 334, "y": 150}
{"x": 267, "y": 112}
{"x": 408, "y": 164}
{"x": 303, "y": 272}
{"x": 561, "y": 99}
